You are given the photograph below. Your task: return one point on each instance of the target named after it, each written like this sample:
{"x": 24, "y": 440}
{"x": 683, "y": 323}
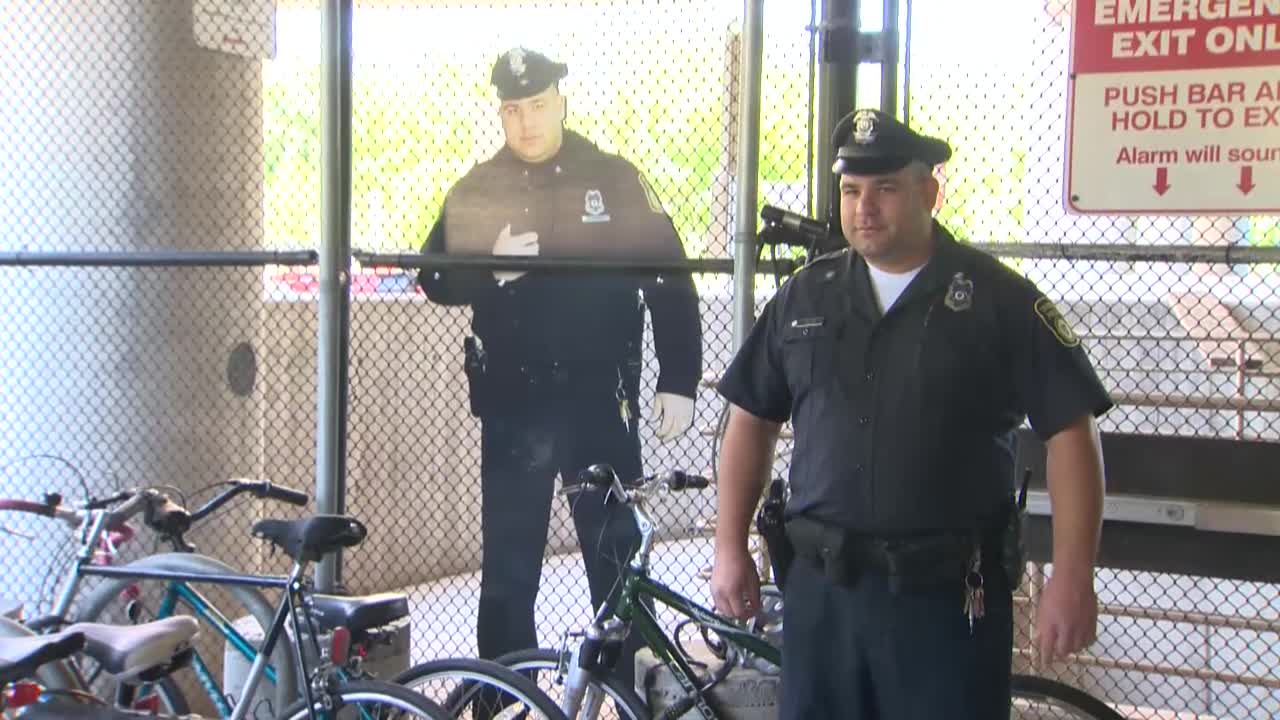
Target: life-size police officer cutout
{"x": 904, "y": 364}
{"x": 555, "y": 359}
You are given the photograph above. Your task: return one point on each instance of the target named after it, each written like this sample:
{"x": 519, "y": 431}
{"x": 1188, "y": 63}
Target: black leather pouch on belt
{"x": 821, "y": 545}
{"x": 920, "y": 563}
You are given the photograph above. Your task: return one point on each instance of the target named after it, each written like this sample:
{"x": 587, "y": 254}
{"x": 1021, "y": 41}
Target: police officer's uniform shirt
{"x": 581, "y": 203}
{"x": 903, "y": 421}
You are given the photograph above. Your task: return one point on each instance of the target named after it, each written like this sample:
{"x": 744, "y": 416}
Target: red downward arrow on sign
{"x": 1246, "y": 179}
{"x": 1162, "y": 181}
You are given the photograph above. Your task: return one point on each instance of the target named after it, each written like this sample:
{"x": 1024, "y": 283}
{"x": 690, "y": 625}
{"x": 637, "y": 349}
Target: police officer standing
{"x": 905, "y": 364}
{"x": 555, "y": 362}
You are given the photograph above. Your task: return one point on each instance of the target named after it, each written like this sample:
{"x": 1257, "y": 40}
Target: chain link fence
{"x": 145, "y": 128}
{"x": 1186, "y": 348}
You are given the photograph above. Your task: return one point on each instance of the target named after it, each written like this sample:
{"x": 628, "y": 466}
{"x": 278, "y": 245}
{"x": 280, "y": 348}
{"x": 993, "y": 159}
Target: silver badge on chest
{"x": 959, "y": 293}
{"x": 593, "y": 208}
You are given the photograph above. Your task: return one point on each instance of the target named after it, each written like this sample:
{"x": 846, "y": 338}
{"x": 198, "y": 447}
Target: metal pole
{"x": 744, "y": 241}
{"x": 889, "y": 59}
{"x": 837, "y": 77}
{"x": 335, "y": 267}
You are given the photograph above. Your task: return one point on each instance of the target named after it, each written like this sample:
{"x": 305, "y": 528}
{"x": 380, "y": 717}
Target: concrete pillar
{"x": 120, "y": 134}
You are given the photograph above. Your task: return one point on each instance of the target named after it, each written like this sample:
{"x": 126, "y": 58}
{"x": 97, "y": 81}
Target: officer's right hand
{"x": 735, "y": 584}
{"x": 524, "y": 244}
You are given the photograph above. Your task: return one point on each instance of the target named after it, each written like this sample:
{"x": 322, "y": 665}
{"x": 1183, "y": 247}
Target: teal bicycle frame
{"x": 206, "y": 613}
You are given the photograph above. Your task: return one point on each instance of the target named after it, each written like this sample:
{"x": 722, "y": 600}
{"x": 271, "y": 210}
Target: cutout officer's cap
{"x": 869, "y": 142}
{"x": 520, "y": 73}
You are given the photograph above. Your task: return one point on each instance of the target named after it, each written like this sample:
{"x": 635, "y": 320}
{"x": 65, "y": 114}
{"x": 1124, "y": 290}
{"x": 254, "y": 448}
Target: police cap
{"x": 869, "y": 142}
{"x": 520, "y": 73}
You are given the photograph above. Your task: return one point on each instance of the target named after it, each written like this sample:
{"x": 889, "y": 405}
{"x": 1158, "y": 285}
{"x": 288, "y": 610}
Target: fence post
{"x": 744, "y": 242}
{"x": 334, "y": 339}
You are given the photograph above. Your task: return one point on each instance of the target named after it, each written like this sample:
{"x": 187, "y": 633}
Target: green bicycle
{"x": 582, "y": 675}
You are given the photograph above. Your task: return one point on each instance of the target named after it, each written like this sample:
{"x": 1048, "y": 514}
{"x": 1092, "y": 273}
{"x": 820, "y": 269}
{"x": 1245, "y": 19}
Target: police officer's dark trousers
{"x": 857, "y": 651}
{"x": 523, "y": 450}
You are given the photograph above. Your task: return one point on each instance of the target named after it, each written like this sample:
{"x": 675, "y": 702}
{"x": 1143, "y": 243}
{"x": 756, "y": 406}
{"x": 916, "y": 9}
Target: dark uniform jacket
{"x": 568, "y": 330}
{"x": 903, "y": 422}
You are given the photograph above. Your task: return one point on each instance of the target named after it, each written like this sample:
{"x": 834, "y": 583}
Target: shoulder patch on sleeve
{"x": 649, "y": 195}
{"x": 1056, "y": 322}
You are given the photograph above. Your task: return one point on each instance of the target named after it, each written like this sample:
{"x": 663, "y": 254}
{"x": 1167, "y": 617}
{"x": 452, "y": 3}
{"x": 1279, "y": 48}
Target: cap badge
{"x": 515, "y": 60}
{"x": 864, "y": 127}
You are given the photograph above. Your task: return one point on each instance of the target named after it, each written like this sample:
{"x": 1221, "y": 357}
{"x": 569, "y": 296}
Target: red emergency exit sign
{"x": 1174, "y": 107}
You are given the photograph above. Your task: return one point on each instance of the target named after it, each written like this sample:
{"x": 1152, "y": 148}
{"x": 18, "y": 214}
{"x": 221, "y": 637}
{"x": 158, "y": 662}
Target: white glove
{"x": 525, "y": 244}
{"x": 673, "y": 414}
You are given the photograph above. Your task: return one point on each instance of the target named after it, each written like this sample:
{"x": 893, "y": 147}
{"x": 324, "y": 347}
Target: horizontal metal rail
{"x": 1195, "y": 402}
{"x": 1217, "y": 254}
{"x": 418, "y": 261}
{"x": 159, "y": 258}
{"x": 1165, "y": 669}
{"x": 1164, "y": 400}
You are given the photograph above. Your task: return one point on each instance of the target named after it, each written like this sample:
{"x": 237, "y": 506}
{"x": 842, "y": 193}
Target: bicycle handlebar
{"x": 258, "y": 488}
{"x": 161, "y": 512}
{"x": 602, "y": 476}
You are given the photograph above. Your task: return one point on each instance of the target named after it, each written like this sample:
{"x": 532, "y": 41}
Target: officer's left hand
{"x": 673, "y": 413}
{"x": 1067, "y": 619}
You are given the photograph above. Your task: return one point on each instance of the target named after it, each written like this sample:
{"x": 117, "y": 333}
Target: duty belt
{"x": 907, "y": 561}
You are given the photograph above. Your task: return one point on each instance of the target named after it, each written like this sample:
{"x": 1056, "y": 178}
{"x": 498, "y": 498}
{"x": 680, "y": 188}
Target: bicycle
{"x": 332, "y": 686}
{"x": 104, "y": 528}
{"x": 583, "y": 671}
{"x": 365, "y": 619}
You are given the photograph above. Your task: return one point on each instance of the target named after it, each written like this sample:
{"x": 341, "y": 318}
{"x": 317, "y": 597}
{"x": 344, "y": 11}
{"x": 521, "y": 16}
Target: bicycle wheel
{"x": 479, "y": 689}
{"x": 545, "y": 667}
{"x": 1039, "y": 698}
{"x": 104, "y": 605}
{"x": 370, "y": 699}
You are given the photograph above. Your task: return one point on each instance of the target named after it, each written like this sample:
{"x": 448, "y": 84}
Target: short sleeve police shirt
{"x": 904, "y": 421}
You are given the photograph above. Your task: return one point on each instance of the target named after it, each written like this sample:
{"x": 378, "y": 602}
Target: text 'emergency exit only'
{"x": 1174, "y": 107}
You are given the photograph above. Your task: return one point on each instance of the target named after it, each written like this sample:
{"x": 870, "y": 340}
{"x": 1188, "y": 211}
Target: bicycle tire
{"x": 464, "y": 675}
{"x": 1059, "y": 697}
{"x": 252, "y": 601}
{"x": 369, "y": 692}
{"x": 625, "y": 700}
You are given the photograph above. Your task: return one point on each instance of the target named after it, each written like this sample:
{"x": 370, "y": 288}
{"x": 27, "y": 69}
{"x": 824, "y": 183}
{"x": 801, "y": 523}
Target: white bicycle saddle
{"x": 124, "y": 651}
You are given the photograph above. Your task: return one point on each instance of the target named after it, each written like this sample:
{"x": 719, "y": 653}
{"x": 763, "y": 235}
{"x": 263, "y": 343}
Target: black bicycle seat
{"x": 21, "y": 657}
{"x": 308, "y": 539}
{"x": 359, "y": 612}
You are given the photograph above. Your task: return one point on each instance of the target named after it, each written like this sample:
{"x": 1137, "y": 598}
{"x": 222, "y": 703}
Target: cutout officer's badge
{"x": 650, "y": 196}
{"x": 593, "y": 207}
{"x": 959, "y": 293}
{"x": 1057, "y": 324}
{"x": 515, "y": 61}
{"x": 864, "y": 127}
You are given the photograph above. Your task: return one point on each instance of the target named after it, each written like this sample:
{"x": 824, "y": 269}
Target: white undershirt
{"x": 890, "y": 285}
